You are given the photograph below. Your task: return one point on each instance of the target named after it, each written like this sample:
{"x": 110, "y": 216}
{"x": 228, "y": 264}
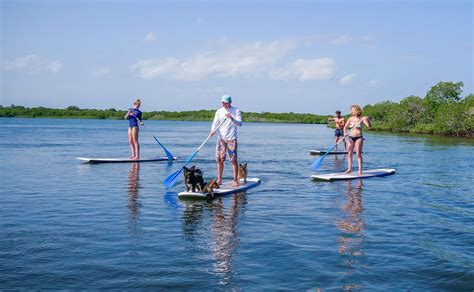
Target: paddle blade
{"x": 168, "y": 154}
{"x": 317, "y": 164}
{"x": 171, "y": 180}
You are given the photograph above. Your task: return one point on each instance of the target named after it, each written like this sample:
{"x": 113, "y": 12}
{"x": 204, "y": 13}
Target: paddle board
{"x": 366, "y": 173}
{"x": 121, "y": 160}
{"x": 225, "y": 189}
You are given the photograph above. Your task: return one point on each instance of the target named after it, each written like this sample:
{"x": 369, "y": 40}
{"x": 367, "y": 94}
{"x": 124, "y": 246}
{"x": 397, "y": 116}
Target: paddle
{"x": 318, "y": 162}
{"x": 168, "y": 154}
{"x": 171, "y": 180}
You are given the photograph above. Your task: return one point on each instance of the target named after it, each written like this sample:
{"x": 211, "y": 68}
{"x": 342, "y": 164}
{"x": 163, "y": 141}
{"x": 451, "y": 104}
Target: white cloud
{"x": 374, "y": 83}
{"x": 33, "y": 63}
{"x": 346, "y": 80}
{"x": 248, "y": 60}
{"x": 101, "y": 71}
{"x": 150, "y": 37}
{"x": 257, "y": 59}
{"x": 341, "y": 40}
{"x": 307, "y": 69}
{"x": 152, "y": 69}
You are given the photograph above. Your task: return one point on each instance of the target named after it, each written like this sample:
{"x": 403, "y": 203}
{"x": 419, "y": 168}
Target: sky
{"x": 270, "y": 56}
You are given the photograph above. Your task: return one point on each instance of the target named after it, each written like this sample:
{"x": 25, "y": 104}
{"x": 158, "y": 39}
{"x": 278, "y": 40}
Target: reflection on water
{"x": 223, "y": 238}
{"x": 339, "y": 161}
{"x": 224, "y": 229}
{"x": 62, "y": 222}
{"x": 132, "y": 191}
{"x": 352, "y": 226}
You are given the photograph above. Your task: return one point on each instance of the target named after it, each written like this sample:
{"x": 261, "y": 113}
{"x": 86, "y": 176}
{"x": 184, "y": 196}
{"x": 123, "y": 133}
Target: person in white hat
{"x": 227, "y": 141}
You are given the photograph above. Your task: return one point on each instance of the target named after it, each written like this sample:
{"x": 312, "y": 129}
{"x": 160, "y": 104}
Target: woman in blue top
{"x": 134, "y": 116}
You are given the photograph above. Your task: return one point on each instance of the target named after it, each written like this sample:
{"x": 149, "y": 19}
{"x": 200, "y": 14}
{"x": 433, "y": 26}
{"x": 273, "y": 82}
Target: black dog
{"x": 189, "y": 178}
{"x": 199, "y": 179}
{"x": 193, "y": 179}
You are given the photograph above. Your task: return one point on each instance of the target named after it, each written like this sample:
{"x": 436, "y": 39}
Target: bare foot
{"x": 235, "y": 184}
{"x": 135, "y": 158}
{"x": 219, "y": 182}
{"x": 360, "y": 173}
{"x": 348, "y": 171}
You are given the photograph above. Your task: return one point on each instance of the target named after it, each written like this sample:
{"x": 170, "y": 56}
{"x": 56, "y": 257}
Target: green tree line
{"x": 200, "y": 115}
{"x": 441, "y": 111}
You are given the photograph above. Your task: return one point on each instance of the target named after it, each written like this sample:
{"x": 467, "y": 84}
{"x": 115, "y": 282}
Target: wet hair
{"x": 137, "y": 101}
{"x": 358, "y": 109}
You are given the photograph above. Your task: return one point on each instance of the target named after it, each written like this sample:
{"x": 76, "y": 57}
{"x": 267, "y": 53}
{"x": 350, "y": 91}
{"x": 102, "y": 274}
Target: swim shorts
{"x": 226, "y": 146}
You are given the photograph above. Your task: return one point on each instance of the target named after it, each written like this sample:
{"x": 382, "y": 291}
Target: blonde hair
{"x": 137, "y": 101}
{"x": 358, "y": 109}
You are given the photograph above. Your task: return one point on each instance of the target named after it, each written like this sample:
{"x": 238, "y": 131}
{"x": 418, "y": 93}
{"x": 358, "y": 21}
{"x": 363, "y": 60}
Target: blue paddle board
{"x": 121, "y": 160}
{"x": 225, "y": 189}
{"x": 366, "y": 173}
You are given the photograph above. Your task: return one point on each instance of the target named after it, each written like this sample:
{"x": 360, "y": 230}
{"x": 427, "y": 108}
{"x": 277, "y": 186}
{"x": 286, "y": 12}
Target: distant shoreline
{"x": 442, "y": 112}
{"x": 74, "y": 112}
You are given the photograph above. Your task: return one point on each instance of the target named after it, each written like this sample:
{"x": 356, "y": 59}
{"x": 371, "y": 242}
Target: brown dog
{"x": 210, "y": 186}
{"x": 242, "y": 174}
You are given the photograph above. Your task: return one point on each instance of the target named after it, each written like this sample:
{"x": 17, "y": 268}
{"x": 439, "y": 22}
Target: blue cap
{"x": 226, "y": 99}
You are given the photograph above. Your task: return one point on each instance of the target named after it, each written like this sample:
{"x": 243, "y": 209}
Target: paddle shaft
{"x": 168, "y": 154}
{"x": 170, "y": 181}
{"x": 202, "y": 145}
{"x": 345, "y": 136}
{"x": 318, "y": 162}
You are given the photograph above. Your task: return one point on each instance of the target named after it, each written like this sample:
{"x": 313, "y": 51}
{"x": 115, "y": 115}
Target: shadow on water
{"x": 132, "y": 191}
{"x": 218, "y": 223}
{"x": 352, "y": 226}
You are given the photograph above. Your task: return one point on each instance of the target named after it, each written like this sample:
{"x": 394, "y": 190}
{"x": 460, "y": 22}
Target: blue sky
{"x": 276, "y": 56}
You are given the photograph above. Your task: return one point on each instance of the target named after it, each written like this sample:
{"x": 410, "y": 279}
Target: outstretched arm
{"x": 215, "y": 123}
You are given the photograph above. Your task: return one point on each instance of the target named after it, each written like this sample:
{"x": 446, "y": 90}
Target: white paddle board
{"x": 225, "y": 189}
{"x": 121, "y": 160}
{"x": 366, "y": 173}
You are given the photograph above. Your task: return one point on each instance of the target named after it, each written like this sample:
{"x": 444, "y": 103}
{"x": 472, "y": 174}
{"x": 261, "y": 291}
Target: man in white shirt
{"x": 227, "y": 141}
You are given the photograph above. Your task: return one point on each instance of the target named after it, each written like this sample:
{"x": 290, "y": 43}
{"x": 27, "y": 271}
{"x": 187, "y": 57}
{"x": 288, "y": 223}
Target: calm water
{"x": 67, "y": 225}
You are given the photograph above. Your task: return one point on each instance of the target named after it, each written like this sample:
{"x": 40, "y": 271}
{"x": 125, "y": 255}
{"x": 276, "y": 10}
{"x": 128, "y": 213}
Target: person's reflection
{"x": 132, "y": 191}
{"x": 222, "y": 227}
{"x": 225, "y": 240}
{"x": 339, "y": 161}
{"x": 352, "y": 226}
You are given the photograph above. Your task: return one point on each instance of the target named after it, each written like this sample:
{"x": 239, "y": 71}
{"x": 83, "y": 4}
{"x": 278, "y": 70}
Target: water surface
{"x": 68, "y": 225}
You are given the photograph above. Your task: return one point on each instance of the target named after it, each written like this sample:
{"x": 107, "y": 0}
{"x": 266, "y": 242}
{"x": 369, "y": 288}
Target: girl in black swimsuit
{"x": 354, "y": 128}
